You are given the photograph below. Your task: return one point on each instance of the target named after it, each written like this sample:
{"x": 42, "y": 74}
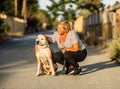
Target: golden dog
{"x": 44, "y": 56}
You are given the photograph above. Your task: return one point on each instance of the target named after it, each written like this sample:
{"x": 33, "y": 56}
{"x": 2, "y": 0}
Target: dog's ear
{"x": 36, "y": 37}
{"x": 47, "y": 38}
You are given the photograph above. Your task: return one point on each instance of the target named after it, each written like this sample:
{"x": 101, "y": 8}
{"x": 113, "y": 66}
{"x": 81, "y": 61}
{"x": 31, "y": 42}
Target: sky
{"x": 44, "y": 3}
{"x": 110, "y": 2}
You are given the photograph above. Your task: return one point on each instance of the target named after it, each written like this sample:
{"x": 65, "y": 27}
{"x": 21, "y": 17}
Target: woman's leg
{"x": 68, "y": 56}
{"x": 70, "y": 60}
{"x": 58, "y": 57}
{"x": 80, "y": 55}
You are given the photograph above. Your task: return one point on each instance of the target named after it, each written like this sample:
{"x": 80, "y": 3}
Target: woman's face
{"x": 61, "y": 30}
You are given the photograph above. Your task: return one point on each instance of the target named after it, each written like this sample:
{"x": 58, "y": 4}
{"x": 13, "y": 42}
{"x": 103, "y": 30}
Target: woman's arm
{"x": 74, "y": 48}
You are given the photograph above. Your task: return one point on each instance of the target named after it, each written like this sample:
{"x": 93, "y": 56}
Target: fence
{"x": 103, "y": 25}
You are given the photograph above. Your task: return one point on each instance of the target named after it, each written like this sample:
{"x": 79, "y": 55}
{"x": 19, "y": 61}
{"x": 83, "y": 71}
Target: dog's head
{"x": 42, "y": 41}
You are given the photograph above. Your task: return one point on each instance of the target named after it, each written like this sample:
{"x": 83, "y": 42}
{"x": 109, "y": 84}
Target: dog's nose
{"x": 37, "y": 42}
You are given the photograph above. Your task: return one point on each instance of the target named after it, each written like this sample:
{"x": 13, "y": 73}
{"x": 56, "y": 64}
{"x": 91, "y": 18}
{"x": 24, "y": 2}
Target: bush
{"x": 114, "y": 49}
{"x": 1, "y": 22}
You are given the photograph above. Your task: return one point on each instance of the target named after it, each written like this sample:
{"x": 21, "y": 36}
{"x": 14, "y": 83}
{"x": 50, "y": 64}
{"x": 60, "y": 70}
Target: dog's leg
{"x": 50, "y": 62}
{"x": 38, "y": 65}
{"x": 51, "y": 65}
{"x": 47, "y": 70}
{"x": 38, "y": 69}
{"x": 42, "y": 68}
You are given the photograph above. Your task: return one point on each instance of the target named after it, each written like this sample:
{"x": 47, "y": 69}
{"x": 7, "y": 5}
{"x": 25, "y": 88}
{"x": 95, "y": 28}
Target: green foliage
{"x": 88, "y": 40}
{"x": 7, "y": 6}
{"x": 43, "y": 16}
{"x": 2, "y": 6}
{"x": 1, "y": 22}
{"x": 58, "y": 8}
{"x": 91, "y": 5}
{"x": 114, "y": 49}
{"x": 32, "y": 7}
{"x": 5, "y": 27}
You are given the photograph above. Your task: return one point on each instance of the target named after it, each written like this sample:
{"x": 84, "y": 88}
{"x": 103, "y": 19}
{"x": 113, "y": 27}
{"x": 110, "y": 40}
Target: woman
{"x": 72, "y": 48}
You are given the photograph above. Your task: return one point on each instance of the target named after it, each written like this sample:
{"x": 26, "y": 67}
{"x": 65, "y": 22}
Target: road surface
{"x": 18, "y": 68}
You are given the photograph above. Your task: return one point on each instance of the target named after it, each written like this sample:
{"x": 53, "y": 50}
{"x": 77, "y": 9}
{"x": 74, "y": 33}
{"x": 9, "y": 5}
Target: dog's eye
{"x": 37, "y": 42}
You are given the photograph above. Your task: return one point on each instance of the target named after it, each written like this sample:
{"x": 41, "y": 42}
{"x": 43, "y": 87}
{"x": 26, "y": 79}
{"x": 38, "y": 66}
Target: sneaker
{"x": 76, "y": 72}
{"x": 69, "y": 70}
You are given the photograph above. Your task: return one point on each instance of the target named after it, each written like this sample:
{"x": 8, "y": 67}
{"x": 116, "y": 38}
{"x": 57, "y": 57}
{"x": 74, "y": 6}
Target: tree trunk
{"x": 16, "y": 6}
{"x": 23, "y": 12}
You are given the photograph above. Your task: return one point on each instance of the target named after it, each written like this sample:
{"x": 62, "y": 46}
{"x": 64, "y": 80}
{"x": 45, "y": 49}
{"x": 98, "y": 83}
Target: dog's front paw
{"x": 40, "y": 74}
{"x": 53, "y": 74}
{"x": 37, "y": 74}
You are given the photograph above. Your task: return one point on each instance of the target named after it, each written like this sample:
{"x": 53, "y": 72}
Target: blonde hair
{"x": 66, "y": 25}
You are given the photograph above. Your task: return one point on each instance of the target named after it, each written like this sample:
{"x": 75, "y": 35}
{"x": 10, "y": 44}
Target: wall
{"x": 16, "y": 26}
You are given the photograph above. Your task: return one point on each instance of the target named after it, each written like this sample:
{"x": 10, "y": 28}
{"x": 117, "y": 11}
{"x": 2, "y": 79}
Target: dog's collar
{"x": 43, "y": 47}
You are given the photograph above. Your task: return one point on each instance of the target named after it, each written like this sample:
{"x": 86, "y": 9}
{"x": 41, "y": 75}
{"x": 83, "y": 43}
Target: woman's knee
{"x": 67, "y": 55}
{"x": 70, "y": 59}
{"x": 83, "y": 56}
{"x": 57, "y": 55}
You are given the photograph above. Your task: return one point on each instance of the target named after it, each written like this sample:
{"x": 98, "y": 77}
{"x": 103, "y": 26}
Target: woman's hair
{"x": 66, "y": 25}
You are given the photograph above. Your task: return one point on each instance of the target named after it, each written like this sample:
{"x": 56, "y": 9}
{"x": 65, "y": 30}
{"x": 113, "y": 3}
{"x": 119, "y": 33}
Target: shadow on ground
{"x": 98, "y": 66}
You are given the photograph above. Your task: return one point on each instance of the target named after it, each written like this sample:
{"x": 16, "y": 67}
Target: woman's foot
{"x": 76, "y": 71}
{"x": 69, "y": 70}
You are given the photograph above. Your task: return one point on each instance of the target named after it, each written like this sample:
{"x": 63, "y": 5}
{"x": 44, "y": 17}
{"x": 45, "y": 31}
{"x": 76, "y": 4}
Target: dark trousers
{"x": 72, "y": 58}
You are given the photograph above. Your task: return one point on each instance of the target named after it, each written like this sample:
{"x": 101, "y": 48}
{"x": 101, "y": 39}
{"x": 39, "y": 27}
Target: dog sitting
{"x": 44, "y": 56}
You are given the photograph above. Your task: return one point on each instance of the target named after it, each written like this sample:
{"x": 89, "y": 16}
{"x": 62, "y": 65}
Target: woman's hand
{"x": 74, "y": 48}
{"x": 63, "y": 50}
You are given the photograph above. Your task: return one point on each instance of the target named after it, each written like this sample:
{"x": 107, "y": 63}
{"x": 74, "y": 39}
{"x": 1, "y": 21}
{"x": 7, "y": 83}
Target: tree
{"x": 2, "y": 6}
{"x": 32, "y": 7}
{"x": 8, "y": 7}
{"x": 43, "y": 16}
{"x": 67, "y": 9}
{"x": 16, "y": 6}
{"x": 24, "y": 10}
{"x": 91, "y": 5}
{"x": 58, "y": 10}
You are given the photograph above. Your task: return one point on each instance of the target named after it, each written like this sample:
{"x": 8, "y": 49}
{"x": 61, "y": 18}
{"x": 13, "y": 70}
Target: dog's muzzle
{"x": 42, "y": 44}
{"x": 39, "y": 43}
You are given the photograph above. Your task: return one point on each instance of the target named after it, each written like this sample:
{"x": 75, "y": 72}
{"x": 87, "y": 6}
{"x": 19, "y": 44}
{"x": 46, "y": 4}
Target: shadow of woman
{"x": 98, "y": 66}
